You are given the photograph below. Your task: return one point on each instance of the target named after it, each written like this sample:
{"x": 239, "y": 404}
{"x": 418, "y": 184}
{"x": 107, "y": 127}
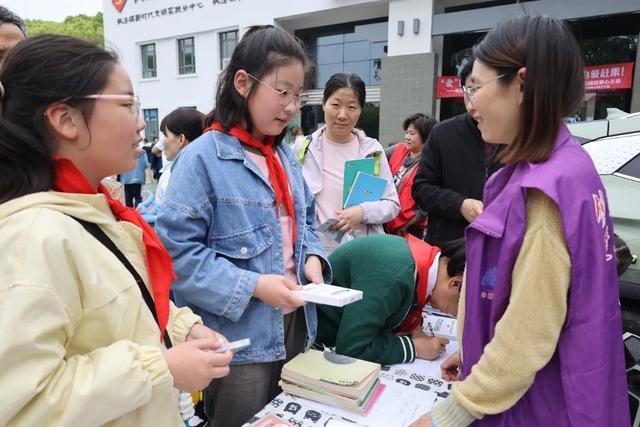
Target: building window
{"x": 151, "y": 120}
{"x": 149, "y": 67}
{"x": 228, "y": 41}
{"x": 353, "y": 48}
{"x": 186, "y": 56}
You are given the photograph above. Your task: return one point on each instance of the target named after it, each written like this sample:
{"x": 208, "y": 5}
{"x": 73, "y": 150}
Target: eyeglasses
{"x": 286, "y": 96}
{"x": 471, "y": 91}
{"x": 134, "y": 101}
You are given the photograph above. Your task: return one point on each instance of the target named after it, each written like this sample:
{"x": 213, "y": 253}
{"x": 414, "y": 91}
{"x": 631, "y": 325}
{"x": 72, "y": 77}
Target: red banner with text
{"x": 596, "y": 77}
{"x": 608, "y": 76}
{"x": 448, "y": 87}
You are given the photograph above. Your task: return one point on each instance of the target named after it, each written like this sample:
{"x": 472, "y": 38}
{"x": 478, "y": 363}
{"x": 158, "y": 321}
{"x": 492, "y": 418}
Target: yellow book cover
{"x": 335, "y": 373}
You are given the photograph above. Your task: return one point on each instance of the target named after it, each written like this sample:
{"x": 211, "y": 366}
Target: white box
{"x": 321, "y": 293}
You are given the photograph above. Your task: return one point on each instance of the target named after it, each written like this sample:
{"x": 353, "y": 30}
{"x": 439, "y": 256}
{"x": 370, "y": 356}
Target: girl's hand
{"x": 423, "y": 421}
{"x": 275, "y": 290}
{"x": 429, "y": 348}
{"x": 313, "y": 269}
{"x": 199, "y": 331}
{"x": 194, "y": 364}
{"x": 450, "y": 368}
{"x": 349, "y": 219}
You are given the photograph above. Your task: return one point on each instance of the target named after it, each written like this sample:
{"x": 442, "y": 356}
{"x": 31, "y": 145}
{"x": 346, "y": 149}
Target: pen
{"x": 431, "y": 331}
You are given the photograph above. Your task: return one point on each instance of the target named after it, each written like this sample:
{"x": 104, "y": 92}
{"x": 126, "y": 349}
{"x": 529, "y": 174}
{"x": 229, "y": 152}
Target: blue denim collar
{"x": 227, "y": 146}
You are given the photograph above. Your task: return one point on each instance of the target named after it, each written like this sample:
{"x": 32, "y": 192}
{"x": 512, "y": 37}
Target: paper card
{"x": 271, "y": 420}
{"x": 327, "y": 228}
{"x": 336, "y": 296}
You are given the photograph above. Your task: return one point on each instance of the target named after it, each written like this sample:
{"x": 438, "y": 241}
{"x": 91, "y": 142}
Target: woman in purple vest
{"x": 541, "y": 338}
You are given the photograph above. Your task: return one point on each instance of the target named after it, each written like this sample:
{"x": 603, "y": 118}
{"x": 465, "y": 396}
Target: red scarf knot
{"x": 277, "y": 174}
{"x": 69, "y": 179}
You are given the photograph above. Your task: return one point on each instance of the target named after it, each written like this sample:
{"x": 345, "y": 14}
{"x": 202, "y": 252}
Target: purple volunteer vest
{"x": 584, "y": 383}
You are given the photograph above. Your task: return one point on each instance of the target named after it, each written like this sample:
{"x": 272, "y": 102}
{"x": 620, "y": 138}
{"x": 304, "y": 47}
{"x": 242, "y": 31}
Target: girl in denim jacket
{"x": 239, "y": 222}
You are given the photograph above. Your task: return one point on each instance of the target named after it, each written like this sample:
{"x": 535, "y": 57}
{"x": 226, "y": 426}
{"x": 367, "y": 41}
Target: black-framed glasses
{"x": 286, "y": 96}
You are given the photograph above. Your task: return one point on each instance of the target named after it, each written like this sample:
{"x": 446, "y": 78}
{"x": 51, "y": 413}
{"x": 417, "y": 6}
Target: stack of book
{"x": 361, "y": 183}
{"x": 335, "y": 380}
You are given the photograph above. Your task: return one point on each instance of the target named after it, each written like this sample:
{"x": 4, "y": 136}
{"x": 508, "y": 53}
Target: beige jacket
{"x": 79, "y": 346}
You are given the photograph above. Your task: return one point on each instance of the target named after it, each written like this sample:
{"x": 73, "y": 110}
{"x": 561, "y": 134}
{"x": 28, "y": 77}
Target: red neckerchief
{"x": 69, "y": 179}
{"x": 277, "y": 174}
{"x": 423, "y": 255}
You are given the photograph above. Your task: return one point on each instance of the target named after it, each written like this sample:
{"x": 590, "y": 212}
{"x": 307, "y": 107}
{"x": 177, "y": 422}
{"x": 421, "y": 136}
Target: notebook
{"x": 351, "y": 168}
{"x": 366, "y": 188}
{"x": 313, "y": 369}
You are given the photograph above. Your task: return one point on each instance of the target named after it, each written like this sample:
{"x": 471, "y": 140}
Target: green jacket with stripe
{"x": 382, "y": 267}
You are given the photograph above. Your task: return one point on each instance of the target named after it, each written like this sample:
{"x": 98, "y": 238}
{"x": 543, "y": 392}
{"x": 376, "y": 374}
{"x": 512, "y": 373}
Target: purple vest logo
{"x": 488, "y": 283}
{"x": 600, "y": 208}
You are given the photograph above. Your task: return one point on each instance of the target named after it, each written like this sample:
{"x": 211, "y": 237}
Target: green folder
{"x": 351, "y": 169}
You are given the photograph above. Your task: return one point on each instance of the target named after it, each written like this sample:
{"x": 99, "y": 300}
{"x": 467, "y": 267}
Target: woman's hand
{"x": 423, "y": 421}
{"x": 348, "y": 219}
{"x": 193, "y": 364}
{"x": 313, "y": 269}
{"x": 470, "y": 209}
{"x": 450, "y": 368}
{"x": 275, "y": 290}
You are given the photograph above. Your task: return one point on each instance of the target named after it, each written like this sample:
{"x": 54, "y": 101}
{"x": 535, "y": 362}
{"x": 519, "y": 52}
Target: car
{"x": 617, "y": 158}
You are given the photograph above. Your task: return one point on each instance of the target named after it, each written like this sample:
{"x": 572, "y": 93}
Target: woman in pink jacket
{"x": 323, "y": 157}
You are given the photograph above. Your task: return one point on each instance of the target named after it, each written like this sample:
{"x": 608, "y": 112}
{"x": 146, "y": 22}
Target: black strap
{"x": 102, "y": 237}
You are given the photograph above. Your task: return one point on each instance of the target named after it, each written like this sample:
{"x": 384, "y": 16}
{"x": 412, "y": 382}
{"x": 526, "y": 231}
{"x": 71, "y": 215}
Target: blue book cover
{"x": 365, "y": 188}
{"x": 351, "y": 168}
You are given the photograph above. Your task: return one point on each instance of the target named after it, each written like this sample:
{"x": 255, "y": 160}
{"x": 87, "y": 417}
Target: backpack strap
{"x": 102, "y": 237}
{"x": 306, "y": 142}
{"x": 376, "y": 162}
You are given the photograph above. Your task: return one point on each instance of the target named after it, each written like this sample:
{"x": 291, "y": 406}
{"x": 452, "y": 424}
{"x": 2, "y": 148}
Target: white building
{"x": 175, "y": 49}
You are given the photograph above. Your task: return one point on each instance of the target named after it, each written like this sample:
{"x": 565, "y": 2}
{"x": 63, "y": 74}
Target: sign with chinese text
{"x": 448, "y": 87}
{"x": 176, "y": 9}
{"x": 597, "y": 77}
{"x": 608, "y": 76}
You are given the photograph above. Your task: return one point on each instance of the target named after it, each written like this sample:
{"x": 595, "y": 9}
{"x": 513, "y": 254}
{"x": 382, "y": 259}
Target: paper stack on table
{"x": 340, "y": 381}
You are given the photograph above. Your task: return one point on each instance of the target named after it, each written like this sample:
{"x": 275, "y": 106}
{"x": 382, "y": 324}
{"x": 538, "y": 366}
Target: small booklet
{"x": 443, "y": 327}
{"x": 366, "y": 188}
{"x": 328, "y": 294}
{"x": 327, "y": 229}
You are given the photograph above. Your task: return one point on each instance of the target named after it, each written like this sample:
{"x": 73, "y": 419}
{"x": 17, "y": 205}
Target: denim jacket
{"x": 221, "y": 227}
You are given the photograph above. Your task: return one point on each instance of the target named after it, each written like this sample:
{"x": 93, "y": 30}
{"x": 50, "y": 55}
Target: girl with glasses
{"x": 239, "y": 222}
{"x": 90, "y": 335}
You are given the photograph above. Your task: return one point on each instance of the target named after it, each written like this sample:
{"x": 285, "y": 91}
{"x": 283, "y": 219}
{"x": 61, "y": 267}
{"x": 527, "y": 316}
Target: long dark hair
{"x": 262, "y": 49}
{"x": 183, "y": 121}
{"x": 345, "y": 80}
{"x": 554, "y": 82}
{"x": 38, "y": 72}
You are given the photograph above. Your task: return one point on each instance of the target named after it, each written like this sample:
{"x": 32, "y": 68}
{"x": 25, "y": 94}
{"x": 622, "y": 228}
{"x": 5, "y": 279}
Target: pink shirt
{"x": 329, "y": 199}
{"x": 286, "y": 226}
